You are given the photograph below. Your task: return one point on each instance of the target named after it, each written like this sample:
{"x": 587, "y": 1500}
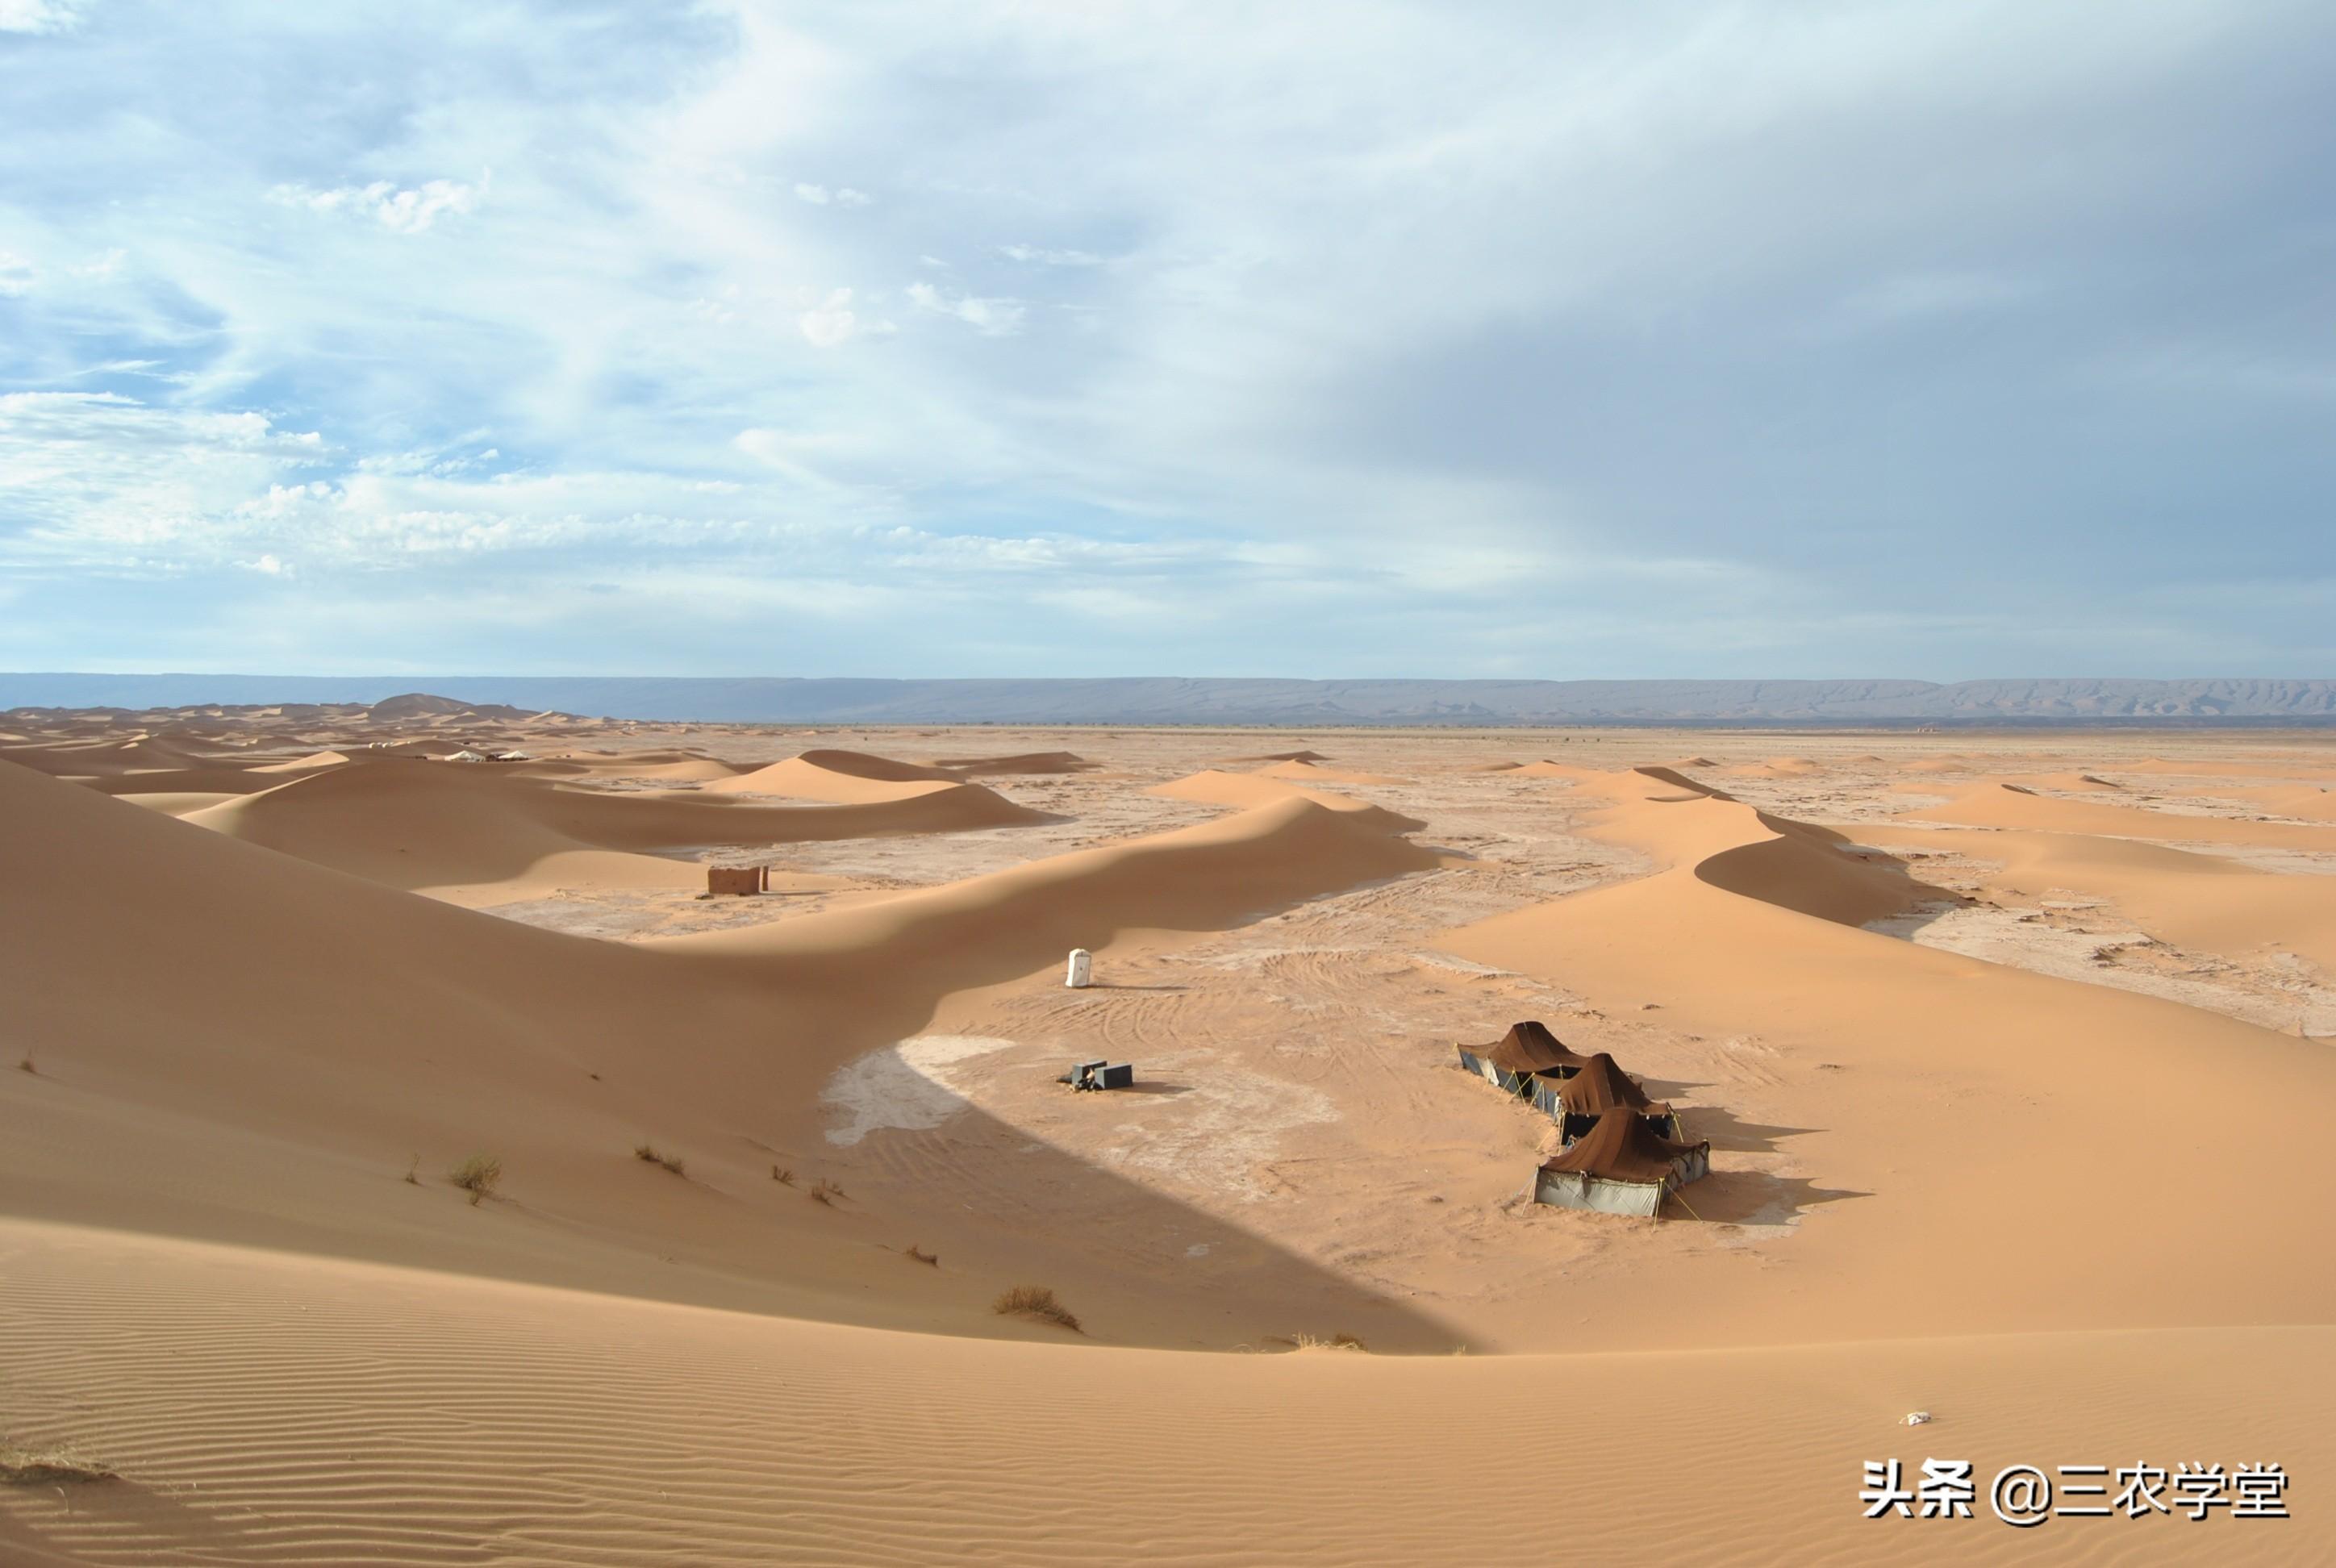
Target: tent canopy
{"x": 1601, "y": 1087}
{"x": 1622, "y": 1148}
{"x": 1529, "y": 1048}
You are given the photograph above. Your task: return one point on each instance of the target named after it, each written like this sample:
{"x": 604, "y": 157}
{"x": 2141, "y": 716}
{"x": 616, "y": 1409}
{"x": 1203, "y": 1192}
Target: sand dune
{"x": 296, "y": 1035}
{"x": 1938, "y": 1182}
{"x": 445, "y": 826}
{"x": 1305, "y": 771}
{"x": 1249, "y": 792}
{"x": 2318, "y": 768}
{"x": 668, "y": 766}
{"x": 1213, "y": 874}
{"x": 1812, "y": 871}
{"x": 1272, "y": 757}
{"x": 2004, "y": 805}
{"x": 265, "y": 1409}
{"x": 1028, "y": 762}
{"x": 803, "y": 779}
{"x": 1673, "y": 779}
{"x": 2007, "y": 1085}
{"x": 176, "y": 803}
{"x": 2311, "y": 803}
{"x": 860, "y": 764}
{"x": 1775, "y": 767}
{"x": 2207, "y": 903}
{"x": 156, "y": 767}
{"x": 314, "y": 760}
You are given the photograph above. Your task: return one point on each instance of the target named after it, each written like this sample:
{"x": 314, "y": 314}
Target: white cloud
{"x": 17, "y": 275}
{"x": 1481, "y": 331}
{"x": 103, "y": 266}
{"x": 407, "y": 211}
{"x": 99, "y": 479}
{"x": 990, "y": 318}
{"x": 827, "y": 325}
{"x": 1048, "y": 257}
{"x": 41, "y": 15}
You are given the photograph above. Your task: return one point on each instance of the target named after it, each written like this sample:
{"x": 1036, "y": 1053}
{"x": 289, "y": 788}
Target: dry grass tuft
{"x": 26, "y": 1065}
{"x": 649, "y": 1153}
{"x": 413, "y": 1172}
{"x": 826, "y": 1192}
{"x": 477, "y": 1176}
{"x": 781, "y": 1174}
{"x": 1036, "y": 1301}
{"x": 47, "y": 1467}
{"x": 1335, "y": 1342}
{"x": 921, "y": 1256}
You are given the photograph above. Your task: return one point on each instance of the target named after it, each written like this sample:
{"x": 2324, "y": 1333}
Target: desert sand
{"x": 2013, "y": 1050}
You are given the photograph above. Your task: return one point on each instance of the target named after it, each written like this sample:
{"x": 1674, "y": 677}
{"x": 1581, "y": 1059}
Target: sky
{"x": 1009, "y": 338}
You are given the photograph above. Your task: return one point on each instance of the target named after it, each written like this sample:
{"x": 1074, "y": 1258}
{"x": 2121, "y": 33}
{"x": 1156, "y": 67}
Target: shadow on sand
{"x": 1751, "y": 1198}
{"x": 1735, "y": 1196}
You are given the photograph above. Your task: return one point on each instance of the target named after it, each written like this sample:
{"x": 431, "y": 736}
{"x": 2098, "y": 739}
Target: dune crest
{"x": 1248, "y": 791}
{"x": 861, "y": 765}
{"x": 803, "y": 779}
{"x": 1028, "y": 762}
{"x": 445, "y": 825}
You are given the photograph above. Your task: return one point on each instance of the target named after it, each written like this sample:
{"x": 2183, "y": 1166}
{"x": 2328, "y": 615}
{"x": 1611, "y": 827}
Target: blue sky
{"x": 1311, "y": 339}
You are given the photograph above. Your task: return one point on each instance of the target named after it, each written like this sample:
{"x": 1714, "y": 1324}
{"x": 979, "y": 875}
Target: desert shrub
{"x": 825, "y": 1192}
{"x": 649, "y": 1153}
{"x": 1036, "y": 1301}
{"x": 1335, "y": 1342}
{"x": 921, "y": 1256}
{"x": 477, "y": 1176}
{"x": 780, "y": 1173}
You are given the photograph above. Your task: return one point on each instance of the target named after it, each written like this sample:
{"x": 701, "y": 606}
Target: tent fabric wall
{"x": 1577, "y": 1190}
{"x": 1621, "y": 1166}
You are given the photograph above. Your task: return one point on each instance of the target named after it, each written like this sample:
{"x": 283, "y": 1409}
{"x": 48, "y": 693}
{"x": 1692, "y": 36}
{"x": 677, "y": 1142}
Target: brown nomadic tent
{"x": 1576, "y": 1102}
{"x": 1517, "y": 1057}
{"x": 1620, "y": 1166}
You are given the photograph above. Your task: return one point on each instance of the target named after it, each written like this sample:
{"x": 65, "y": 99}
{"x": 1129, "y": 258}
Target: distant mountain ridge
{"x": 1203, "y": 700}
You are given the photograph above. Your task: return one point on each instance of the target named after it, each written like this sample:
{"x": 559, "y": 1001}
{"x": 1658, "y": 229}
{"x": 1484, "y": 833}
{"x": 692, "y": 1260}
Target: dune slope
{"x": 2008, "y": 1093}
{"x": 263, "y": 1408}
{"x": 436, "y": 825}
{"x": 294, "y": 1038}
{"x": 2002, "y": 806}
